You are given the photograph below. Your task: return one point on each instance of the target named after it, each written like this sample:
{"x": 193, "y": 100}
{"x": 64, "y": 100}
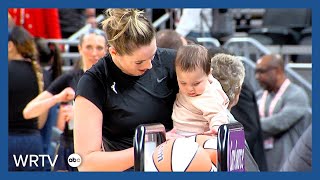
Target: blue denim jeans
{"x": 46, "y": 133}
{"x": 24, "y": 144}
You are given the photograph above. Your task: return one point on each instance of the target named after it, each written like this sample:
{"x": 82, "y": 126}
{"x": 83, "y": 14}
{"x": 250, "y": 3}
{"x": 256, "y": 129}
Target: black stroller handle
{"x": 146, "y": 133}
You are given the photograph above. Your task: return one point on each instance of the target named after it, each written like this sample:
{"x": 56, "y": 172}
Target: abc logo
{"x": 74, "y": 160}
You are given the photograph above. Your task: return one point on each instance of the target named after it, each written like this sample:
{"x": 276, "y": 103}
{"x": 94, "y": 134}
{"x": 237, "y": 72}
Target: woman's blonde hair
{"x": 127, "y": 30}
{"x": 230, "y": 72}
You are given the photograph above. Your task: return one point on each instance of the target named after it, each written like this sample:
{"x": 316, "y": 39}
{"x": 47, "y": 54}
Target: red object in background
{"x": 39, "y": 22}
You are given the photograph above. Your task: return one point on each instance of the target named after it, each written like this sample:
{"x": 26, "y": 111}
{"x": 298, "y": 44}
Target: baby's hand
{"x": 212, "y": 132}
{"x": 172, "y": 134}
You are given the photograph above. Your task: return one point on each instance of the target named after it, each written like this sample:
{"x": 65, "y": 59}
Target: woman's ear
{"x": 112, "y": 51}
{"x": 107, "y": 49}
{"x": 79, "y": 49}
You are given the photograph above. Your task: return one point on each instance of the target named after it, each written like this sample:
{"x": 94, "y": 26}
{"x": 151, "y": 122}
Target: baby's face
{"x": 192, "y": 83}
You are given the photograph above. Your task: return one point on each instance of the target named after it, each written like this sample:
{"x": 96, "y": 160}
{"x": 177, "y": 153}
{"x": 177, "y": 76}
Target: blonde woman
{"x": 135, "y": 84}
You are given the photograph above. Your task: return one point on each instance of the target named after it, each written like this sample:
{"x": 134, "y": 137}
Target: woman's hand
{"x": 65, "y": 115}
{"x": 66, "y": 95}
{"x": 66, "y": 111}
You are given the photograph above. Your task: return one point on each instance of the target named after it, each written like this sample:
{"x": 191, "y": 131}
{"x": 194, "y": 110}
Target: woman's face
{"x": 93, "y": 48}
{"x": 139, "y": 62}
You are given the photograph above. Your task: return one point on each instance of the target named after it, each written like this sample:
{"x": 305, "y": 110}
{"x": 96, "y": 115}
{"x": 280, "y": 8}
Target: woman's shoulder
{"x": 99, "y": 69}
{"x": 165, "y": 53}
{"x": 166, "y": 57}
{"x": 97, "y": 75}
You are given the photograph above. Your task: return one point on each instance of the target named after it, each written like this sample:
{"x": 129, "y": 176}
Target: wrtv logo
{"x": 33, "y": 160}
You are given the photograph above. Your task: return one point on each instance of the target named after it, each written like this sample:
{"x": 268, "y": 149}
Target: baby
{"x": 200, "y": 105}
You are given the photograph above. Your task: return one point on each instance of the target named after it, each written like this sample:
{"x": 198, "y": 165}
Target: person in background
{"x": 39, "y": 22}
{"x": 283, "y": 109}
{"x": 135, "y": 84}
{"x": 72, "y": 20}
{"x": 246, "y": 112}
{"x": 25, "y": 83}
{"x": 191, "y": 25}
{"x": 49, "y": 57}
{"x": 230, "y": 72}
{"x": 300, "y": 158}
{"x": 92, "y": 47}
{"x": 167, "y": 38}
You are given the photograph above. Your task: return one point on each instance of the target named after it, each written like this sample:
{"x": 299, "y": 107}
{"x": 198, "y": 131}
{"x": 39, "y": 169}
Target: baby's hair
{"x": 191, "y": 57}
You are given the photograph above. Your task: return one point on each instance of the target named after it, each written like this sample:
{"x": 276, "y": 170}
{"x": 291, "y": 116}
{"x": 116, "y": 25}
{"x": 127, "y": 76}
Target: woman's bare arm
{"x": 88, "y": 121}
{"x": 39, "y": 106}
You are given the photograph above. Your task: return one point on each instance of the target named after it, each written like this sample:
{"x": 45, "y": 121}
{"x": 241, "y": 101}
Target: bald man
{"x": 283, "y": 109}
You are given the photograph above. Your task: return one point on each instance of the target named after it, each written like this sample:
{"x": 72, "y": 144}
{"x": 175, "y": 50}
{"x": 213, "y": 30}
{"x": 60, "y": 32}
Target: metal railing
{"x": 291, "y": 49}
{"x": 160, "y": 23}
{"x": 209, "y": 40}
{"x": 253, "y": 49}
{"x": 250, "y": 67}
{"x": 73, "y": 40}
{"x": 247, "y": 47}
{"x": 67, "y": 57}
{"x": 304, "y": 69}
{"x": 85, "y": 29}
